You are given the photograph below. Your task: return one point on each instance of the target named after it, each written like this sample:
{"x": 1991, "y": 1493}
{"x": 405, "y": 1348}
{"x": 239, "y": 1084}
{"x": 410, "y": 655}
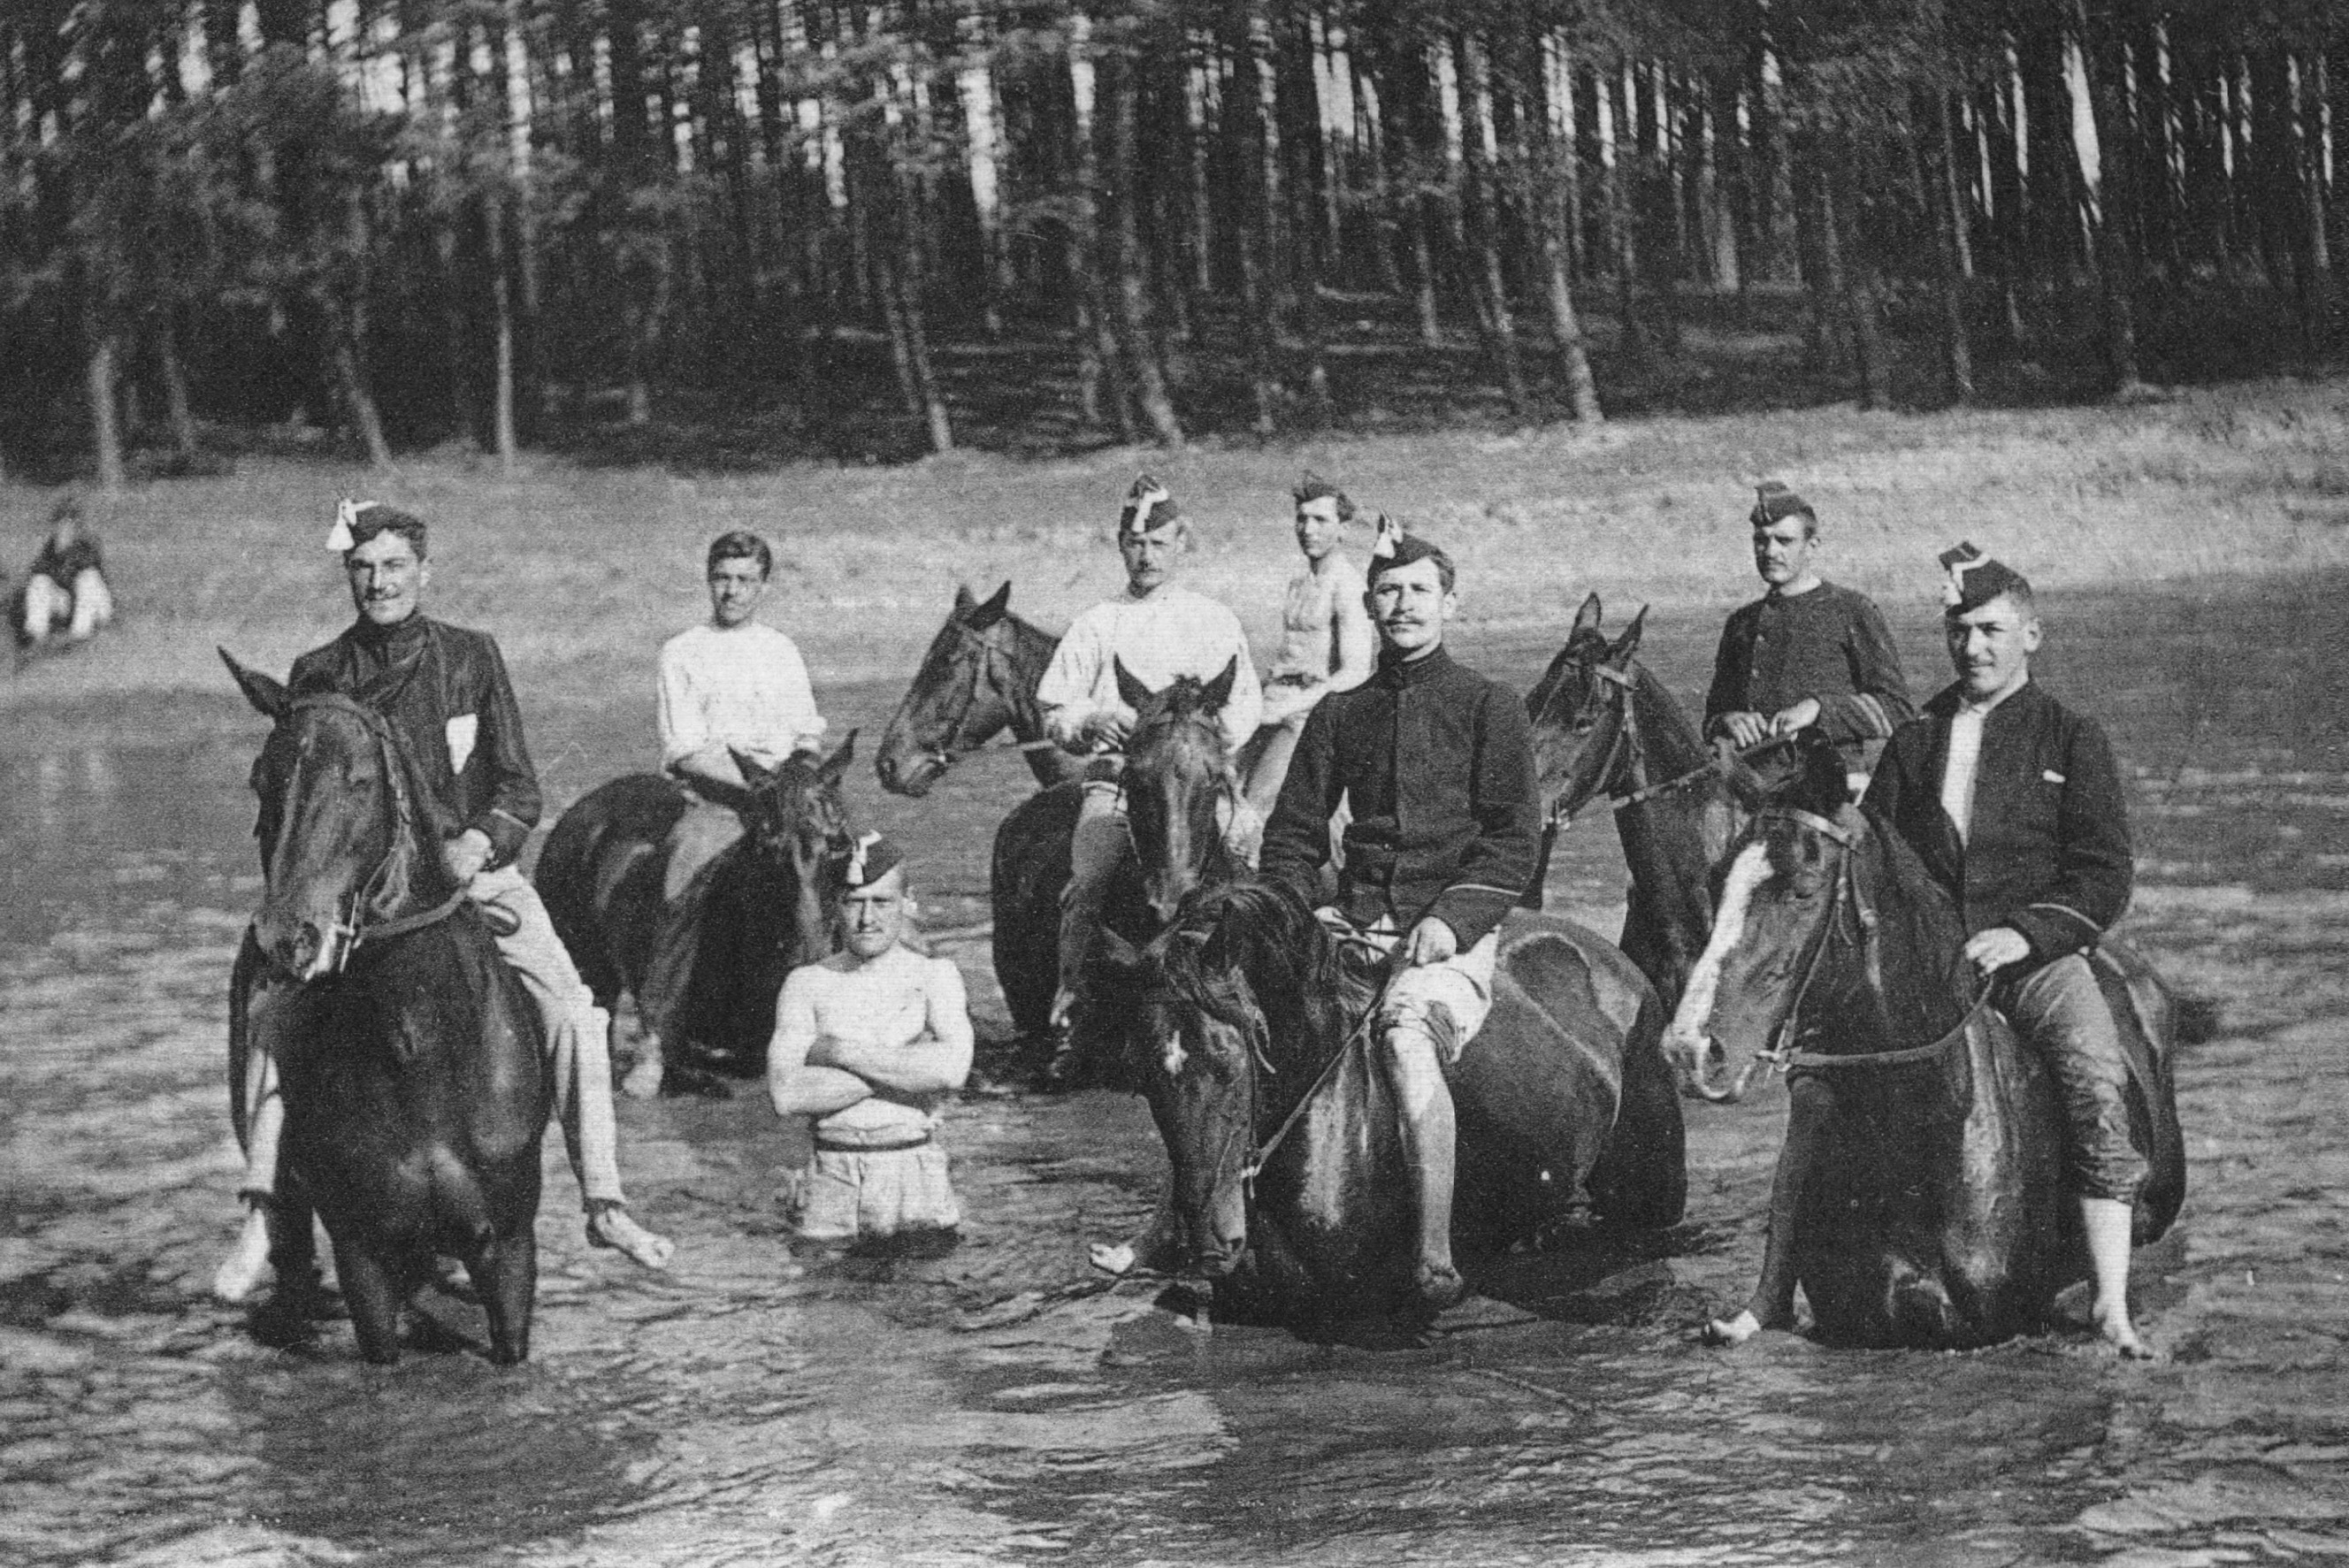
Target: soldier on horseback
{"x": 1438, "y": 765}
{"x": 1808, "y": 652}
{"x": 2014, "y": 804}
{"x": 1327, "y": 643}
{"x": 444, "y": 691}
{"x": 1157, "y": 630}
{"x": 733, "y": 686}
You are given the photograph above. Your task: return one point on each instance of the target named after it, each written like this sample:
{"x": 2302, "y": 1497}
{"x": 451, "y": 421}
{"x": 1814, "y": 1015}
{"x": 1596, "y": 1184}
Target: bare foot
{"x": 1439, "y": 1285}
{"x": 1150, "y": 1253}
{"x": 610, "y": 1225}
{"x": 642, "y": 1080}
{"x": 241, "y": 1272}
{"x": 2120, "y": 1334}
{"x": 1734, "y": 1330}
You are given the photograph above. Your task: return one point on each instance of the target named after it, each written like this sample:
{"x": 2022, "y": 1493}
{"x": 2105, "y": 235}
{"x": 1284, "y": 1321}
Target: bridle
{"x": 351, "y": 928}
{"x": 1847, "y": 896}
{"x": 1225, "y": 790}
{"x": 1626, "y": 752}
{"x": 1023, "y": 706}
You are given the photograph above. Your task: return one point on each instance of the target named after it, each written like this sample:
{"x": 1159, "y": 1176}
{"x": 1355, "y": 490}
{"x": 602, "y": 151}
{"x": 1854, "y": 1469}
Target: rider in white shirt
{"x": 1158, "y": 630}
{"x": 733, "y": 685}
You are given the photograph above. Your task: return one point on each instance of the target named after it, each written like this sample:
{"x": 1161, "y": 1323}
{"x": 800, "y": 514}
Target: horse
{"x": 1180, "y": 792}
{"x": 1923, "y": 1146}
{"x": 408, "y": 1058}
{"x": 768, "y": 903}
{"x": 1605, "y": 725}
{"x": 1250, "y": 1041}
{"x": 978, "y": 679}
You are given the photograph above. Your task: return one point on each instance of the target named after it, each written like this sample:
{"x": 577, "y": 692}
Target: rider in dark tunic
{"x": 1437, "y": 764}
{"x": 445, "y": 691}
{"x": 1807, "y": 653}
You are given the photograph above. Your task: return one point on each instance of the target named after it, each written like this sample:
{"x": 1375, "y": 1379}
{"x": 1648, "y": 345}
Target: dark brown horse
{"x": 1249, "y": 1040}
{"x": 1605, "y": 727}
{"x": 1179, "y": 791}
{"x": 978, "y": 680}
{"x": 408, "y": 1058}
{"x": 1923, "y": 1144}
{"x": 767, "y": 901}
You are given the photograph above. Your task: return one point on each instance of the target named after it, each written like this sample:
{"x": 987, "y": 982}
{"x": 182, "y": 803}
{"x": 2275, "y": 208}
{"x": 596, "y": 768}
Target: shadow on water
{"x": 994, "y": 1403}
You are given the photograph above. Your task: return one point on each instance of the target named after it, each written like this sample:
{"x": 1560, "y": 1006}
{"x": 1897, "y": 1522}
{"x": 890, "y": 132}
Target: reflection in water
{"x": 993, "y": 1405}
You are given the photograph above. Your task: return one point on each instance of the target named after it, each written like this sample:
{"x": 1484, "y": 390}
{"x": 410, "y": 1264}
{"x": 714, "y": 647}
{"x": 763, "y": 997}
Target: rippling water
{"x": 997, "y": 1406}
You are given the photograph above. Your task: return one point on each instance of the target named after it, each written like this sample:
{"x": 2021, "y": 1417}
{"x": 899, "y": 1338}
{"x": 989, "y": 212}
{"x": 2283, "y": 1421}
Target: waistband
{"x": 834, "y": 1146}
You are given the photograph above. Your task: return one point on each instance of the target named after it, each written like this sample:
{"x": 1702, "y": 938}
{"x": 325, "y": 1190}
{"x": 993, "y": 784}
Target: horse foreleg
{"x": 371, "y": 1290}
{"x": 1809, "y": 1102}
{"x": 505, "y": 1273}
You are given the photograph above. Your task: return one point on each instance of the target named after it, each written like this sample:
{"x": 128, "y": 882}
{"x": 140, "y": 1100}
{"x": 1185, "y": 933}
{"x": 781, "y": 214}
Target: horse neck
{"x": 1914, "y": 987}
{"x": 1306, "y": 1026}
{"x": 424, "y": 879}
{"x": 1673, "y": 745}
{"x": 1030, "y": 652}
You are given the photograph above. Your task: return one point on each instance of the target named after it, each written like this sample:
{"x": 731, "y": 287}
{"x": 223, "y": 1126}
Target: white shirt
{"x": 1174, "y": 632}
{"x": 742, "y": 686}
{"x": 1965, "y": 760}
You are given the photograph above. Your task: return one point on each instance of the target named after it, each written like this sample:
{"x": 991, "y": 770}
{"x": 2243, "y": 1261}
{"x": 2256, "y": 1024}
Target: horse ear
{"x": 835, "y": 765}
{"x": 963, "y": 601}
{"x": 1219, "y": 691}
{"x": 1587, "y": 619}
{"x": 1116, "y": 952}
{"x": 1131, "y": 691}
{"x": 1629, "y": 642}
{"x": 266, "y": 696}
{"x": 755, "y": 773}
{"x": 987, "y": 614}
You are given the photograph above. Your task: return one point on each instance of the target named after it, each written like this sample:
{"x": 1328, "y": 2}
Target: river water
{"x": 996, "y": 1405}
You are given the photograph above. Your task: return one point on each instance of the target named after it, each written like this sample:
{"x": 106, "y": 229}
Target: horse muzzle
{"x": 302, "y": 947}
{"x": 1704, "y": 1070}
{"x": 913, "y": 776}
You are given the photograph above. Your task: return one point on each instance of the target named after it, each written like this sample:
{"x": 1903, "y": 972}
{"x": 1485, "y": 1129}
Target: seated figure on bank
{"x": 66, "y": 589}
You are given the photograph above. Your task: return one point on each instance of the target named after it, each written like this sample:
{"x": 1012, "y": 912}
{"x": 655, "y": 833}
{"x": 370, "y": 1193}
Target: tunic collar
{"x": 396, "y": 641}
{"x": 1402, "y": 673}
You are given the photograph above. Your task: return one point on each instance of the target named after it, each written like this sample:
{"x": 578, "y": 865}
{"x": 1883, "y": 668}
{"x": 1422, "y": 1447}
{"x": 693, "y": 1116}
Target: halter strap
{"x": 1821, "y": 1061}
{"x": 1356, "y": 1036}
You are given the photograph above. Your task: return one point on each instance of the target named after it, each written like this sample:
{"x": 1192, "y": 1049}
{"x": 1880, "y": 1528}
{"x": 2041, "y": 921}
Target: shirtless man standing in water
{"x": 869, "y": 1044}
{"x": 1326, "y": 642}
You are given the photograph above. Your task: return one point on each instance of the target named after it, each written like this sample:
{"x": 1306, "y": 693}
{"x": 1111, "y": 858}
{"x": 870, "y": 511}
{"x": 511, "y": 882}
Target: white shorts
{"x": 845, "y": 1193}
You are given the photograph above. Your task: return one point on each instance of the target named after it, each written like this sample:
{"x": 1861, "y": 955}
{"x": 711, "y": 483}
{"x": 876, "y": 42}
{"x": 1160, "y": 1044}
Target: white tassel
{"x": 1390, "y": 538}
{"x": 856, "y": 857}
{"x": 347, "y": 512}
{"x": 1147, "y": 496}
{"x": 1957, "y": 562}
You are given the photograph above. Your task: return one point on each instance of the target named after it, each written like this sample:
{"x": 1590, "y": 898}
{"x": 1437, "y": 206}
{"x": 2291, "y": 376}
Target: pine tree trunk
{"x": 101, "y": 378}
{"x": 1133, "y": 287}
{"x": 1546, "y": 152}
{"x": 176, "y": 402}
{"x": 501, "y": 307}
{"x": 1933, "y": 190}
{"x": 1482, "y": 214}
{"x": 2101, "y": 142}
{"x": 350, "y": 384}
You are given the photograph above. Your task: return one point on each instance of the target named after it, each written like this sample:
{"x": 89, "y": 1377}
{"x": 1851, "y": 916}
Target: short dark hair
{"x": 1445, "y": 573}
{"x": 370, "y": 521}
{"x": 741, "y": 544}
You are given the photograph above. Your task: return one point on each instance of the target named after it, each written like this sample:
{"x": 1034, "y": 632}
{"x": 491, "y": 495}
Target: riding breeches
{"x": 706, "y": 830}
{"x": 577, "y": 1044}
{"x": 2060, "y": 1009}
{"x": 1099, "y": 840}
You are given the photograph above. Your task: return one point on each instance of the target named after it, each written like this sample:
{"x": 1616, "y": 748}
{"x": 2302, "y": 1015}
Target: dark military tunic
{"x": 1830, "y": 644}
{"x": 445, "y": 689}
{"x": 1438, "y": 765}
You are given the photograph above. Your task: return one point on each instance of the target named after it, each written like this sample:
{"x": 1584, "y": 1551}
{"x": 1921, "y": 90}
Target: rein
{"x": 989, "y": 653}
{"x": 1356, "y": 1036}
{"x": 1629, "y": 741}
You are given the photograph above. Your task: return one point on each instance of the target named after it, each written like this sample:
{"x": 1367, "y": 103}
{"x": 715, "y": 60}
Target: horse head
{"x": 1583, "y": 716}
{"x": 960, "y": 697}
{"x": 1786, "y": 920}
{"x": 1179, "y": 787}
{"x": 1235, "y": 1007}
{"x": 796, "y": 825}
{"x": 339, "y": 831}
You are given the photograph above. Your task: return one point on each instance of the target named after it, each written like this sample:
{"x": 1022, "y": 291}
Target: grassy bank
{"x": 583, "y": 572}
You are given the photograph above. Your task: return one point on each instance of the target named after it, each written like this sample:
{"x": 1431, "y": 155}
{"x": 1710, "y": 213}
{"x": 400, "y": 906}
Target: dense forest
{"x": 397, "y": 223}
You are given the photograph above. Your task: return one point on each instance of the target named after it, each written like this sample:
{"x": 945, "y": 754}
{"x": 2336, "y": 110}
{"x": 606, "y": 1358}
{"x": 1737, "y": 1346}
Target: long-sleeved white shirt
{"x": 1174, "y": 632}
{"x": 741, "y": 687}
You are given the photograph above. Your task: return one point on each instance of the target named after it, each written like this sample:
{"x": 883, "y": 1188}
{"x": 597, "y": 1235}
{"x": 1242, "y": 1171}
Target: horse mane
{"x": 1181, "y": 701}
{"x": 1263, "y": 936}
{"x": 1917, "y": 915}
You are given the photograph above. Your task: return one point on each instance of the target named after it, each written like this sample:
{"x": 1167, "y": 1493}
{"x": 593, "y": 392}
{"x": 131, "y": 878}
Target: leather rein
{"x": 1627, "y": 754}
{"x": 1782, "y": 1056}
{"x": 980, "y": 667}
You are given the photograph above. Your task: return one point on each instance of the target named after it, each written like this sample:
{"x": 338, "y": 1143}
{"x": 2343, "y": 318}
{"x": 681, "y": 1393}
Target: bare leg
{"x": 2106, "y": 1222}
{"x": 1429, "y": 1138}
{"x": 1809, "y": 1103}
{"x": 247, "y": 1264}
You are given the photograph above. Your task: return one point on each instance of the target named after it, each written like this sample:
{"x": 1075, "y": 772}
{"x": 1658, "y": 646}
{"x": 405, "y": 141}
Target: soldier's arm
{"x": 1065, "y": 692}
{"x": 1357, "y": 639}
{"x": 1726, "y": 695}
{"x": 794, "y": 1087}
{"x": 1879, "y": 702}
{"x": 514, "y": 801}
{"x": 2095, "y": 864}
{"x": 1506, "y": 800}
{"x": 1296, "y": 835}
